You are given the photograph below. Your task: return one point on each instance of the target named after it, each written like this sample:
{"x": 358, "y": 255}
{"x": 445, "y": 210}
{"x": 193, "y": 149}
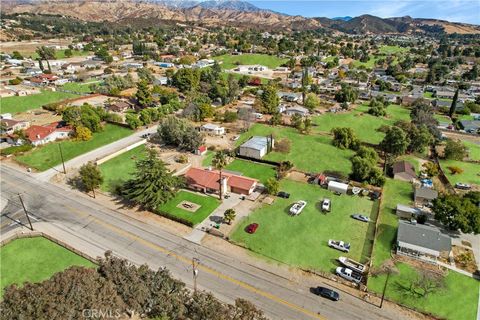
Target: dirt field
{"x": 28, "y": 47}
{"x": 38, "y": 117}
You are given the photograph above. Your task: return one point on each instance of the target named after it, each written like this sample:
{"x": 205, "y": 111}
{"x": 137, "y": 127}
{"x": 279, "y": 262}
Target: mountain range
{"x": 235, "y": 13}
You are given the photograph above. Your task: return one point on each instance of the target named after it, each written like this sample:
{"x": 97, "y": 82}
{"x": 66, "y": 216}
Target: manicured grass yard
{"x": 231, "y": 61}
{"x": 428, "y": 95}
{"x": 34, "y": 101}
{"x": 370, "y": 64}
{"x": 302, "y": 240}
{"x": 35, "y": 260}
{"x": 365, "y": 125}
{"x": 310, "y": 153}
{"x": 77, "y": 87}
{"x": 391, "y": 49}
{"x": 474, "y": 150}
{"x": 442, "y": 303}
{"x": 394, "y": 192}
{"x": 208, "y": 205}
{"x": 60, "y": 54}
{"x": 120, "y": 168}
{"x": 48, "y": 156}
{"x": 469, "y": 174}
{"x": 261, "y": 172}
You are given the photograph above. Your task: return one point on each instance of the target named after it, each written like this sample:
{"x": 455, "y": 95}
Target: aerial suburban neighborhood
{"x": 218, "y": 160}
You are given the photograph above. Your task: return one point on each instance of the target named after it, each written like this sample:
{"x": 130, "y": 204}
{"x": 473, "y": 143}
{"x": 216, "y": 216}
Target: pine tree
{"x": 152, "y": 183}
{"x": 453, "y": 107}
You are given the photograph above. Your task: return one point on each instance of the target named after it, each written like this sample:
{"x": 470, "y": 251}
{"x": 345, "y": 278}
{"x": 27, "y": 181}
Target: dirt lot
{"x": 27, "y": 47}
{"x": 38, "y": 117}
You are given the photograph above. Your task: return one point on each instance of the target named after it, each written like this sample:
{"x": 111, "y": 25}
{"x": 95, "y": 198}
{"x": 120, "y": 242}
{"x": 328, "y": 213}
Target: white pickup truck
{"x": 349, "y": 274}
{"x": 297, "y": 207}
{"x": 339, "y": 245}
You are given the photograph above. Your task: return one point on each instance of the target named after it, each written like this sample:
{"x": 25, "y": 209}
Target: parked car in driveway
{"x": 326, "y": 293}
{"x": 360, "y": 217}
{"x": 283, "y": 194}
{"x": 326, "y": 205}
{"x": 251, "y": 228}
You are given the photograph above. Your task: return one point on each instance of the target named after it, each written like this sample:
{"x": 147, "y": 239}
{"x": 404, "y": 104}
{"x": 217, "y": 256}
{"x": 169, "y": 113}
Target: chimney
{"x": 38, "y": 136}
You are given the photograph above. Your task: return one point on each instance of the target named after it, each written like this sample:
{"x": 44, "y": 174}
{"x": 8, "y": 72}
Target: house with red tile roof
{"x": 207, "y": 181}
{"x": 39, "y": 135}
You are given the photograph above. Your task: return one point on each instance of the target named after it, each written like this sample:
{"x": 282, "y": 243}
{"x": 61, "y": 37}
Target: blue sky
{"x": 454, "y": 10}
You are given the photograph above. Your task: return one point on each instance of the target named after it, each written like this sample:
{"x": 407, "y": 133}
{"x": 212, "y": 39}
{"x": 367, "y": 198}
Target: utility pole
{"x": 61, "y": 156}
{"x": 384, "y": 289}
{"x": 25, "y": 210}
{"x": 195, "y": 263}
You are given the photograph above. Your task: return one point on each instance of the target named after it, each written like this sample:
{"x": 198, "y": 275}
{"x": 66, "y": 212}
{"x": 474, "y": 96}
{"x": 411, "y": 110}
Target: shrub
{"x": 283, "y": 146}
{"x": 455, "y": 170}
{"x": 16, "y": 149}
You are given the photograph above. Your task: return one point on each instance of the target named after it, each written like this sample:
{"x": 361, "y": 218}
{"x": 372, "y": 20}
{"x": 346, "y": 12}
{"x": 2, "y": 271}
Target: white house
{"x": 256, "y": 147}
{"x": 214, "y": 129}
{"x": 297, "y": 110}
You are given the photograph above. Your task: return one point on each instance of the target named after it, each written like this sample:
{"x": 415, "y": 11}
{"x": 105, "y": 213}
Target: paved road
{"x": 96, "y": 154}
{"x": 88, "y": 226}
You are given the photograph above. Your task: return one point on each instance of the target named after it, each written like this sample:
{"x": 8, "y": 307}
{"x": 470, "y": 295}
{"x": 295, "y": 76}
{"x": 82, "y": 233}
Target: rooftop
{"x": 256, "y": 143}
{"x": 423, "y": 236}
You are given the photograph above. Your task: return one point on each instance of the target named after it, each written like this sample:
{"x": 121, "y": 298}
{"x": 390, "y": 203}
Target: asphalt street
{"x": 82, "y": 222}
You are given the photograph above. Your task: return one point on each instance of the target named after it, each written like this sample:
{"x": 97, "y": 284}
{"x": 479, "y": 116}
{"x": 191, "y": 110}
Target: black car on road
{"x": 326, "y": 293}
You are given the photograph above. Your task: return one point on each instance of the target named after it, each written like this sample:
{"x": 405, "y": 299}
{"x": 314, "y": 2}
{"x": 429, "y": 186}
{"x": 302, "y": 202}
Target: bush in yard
{"x": 83, "y": 133}
{"x": 180, "y": 133}
{"x": 459, "y": 212}
{"x": 377, "y": 107}
{"x": 283, "y": 145}
{"x": 431, "y": 169}
{"x": 272, "y": 186}
{"x": 15, "y": 81}
{"x": 455, "y": 170}
{"x": 133, "y": 121}
{"x": 283, "y": 168}
{"x": 230, "y": 116}
{"x": 312, "y": 101}
{"x": 455, "y": 150}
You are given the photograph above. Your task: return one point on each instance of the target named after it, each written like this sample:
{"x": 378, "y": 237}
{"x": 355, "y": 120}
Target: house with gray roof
{"x": 256, "y": 147}
{"x": 424, "y": 195}
{"x": 422, "y": 242}
{"x": 472, "y": 126}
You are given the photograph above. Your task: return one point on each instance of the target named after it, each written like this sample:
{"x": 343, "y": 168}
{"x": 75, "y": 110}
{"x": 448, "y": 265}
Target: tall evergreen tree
{"x": 152, "y": 183}
{"x": 453, "y": 107}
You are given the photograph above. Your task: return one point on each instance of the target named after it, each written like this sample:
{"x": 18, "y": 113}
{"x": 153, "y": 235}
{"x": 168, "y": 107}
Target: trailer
{"x": 337, "y": 187}
{"x": 352, "y": 264}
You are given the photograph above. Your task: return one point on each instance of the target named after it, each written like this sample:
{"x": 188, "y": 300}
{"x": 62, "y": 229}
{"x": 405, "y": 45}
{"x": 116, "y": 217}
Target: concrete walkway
{"x": 451, "y": 267}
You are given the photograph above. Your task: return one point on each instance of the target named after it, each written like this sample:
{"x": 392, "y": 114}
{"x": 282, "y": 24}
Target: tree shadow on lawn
{"x": 367, "y": 249}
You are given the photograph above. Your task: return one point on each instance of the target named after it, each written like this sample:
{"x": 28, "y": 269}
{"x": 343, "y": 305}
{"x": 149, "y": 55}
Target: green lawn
{"x": 35, "y": 260}
{"x": 60, "y": 54}
{"x": 48, "y": 156}
{"x": 365, "y": 125}
{"x": 470, "y": 172}
{"x": 309, "y": 153}
{"x": 392, "y": 49}
{"x": 34, "y": 101}
{"x": 439, "y": 303}
{"x": 231, "y": 61}
{"x": 428, "y": 95}
{"x": 302, "y": 240}
{"x": 442, "y": 118}
{"x": 394, "y": 192}
{"x": 261, "y": 172}
{"x": 77, "y": 87}
{"x": 474, "y": 150}
{"x": 443, "y": 303}
{"x": 208, "y": 205}
{"x": 370, "y": 64}
{"x": 120, "y": 168}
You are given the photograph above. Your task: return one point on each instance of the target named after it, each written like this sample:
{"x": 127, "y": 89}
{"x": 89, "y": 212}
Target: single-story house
{"x": 201, "y": 150}
{"x": 10, "y": 126}
{"x": 337, "y": 187}
{"x": 207, "y": 181}
{"x": 118, "y": 106}
{"x": 422, "y": 242}
{"x": 214, "y": 129}
{"x": 39, "y": 135}
{"x": 472, "y": 126}
{"x": 403, "y": 170}
{"x": 407, "y": 212}
{"x": 256, "y": 147}
{"x": 290, "y": 111}
{"x": 423, "y": 195}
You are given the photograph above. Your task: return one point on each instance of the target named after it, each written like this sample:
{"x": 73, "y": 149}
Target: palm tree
{"x": 219, "y": 161}
{"x": 229, "y": 216}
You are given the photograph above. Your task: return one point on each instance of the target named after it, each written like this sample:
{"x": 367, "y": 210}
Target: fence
{"x": 36, "y": 234}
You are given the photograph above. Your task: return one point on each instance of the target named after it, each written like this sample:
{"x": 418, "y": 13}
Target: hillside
{"x": 232, "y": 13}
